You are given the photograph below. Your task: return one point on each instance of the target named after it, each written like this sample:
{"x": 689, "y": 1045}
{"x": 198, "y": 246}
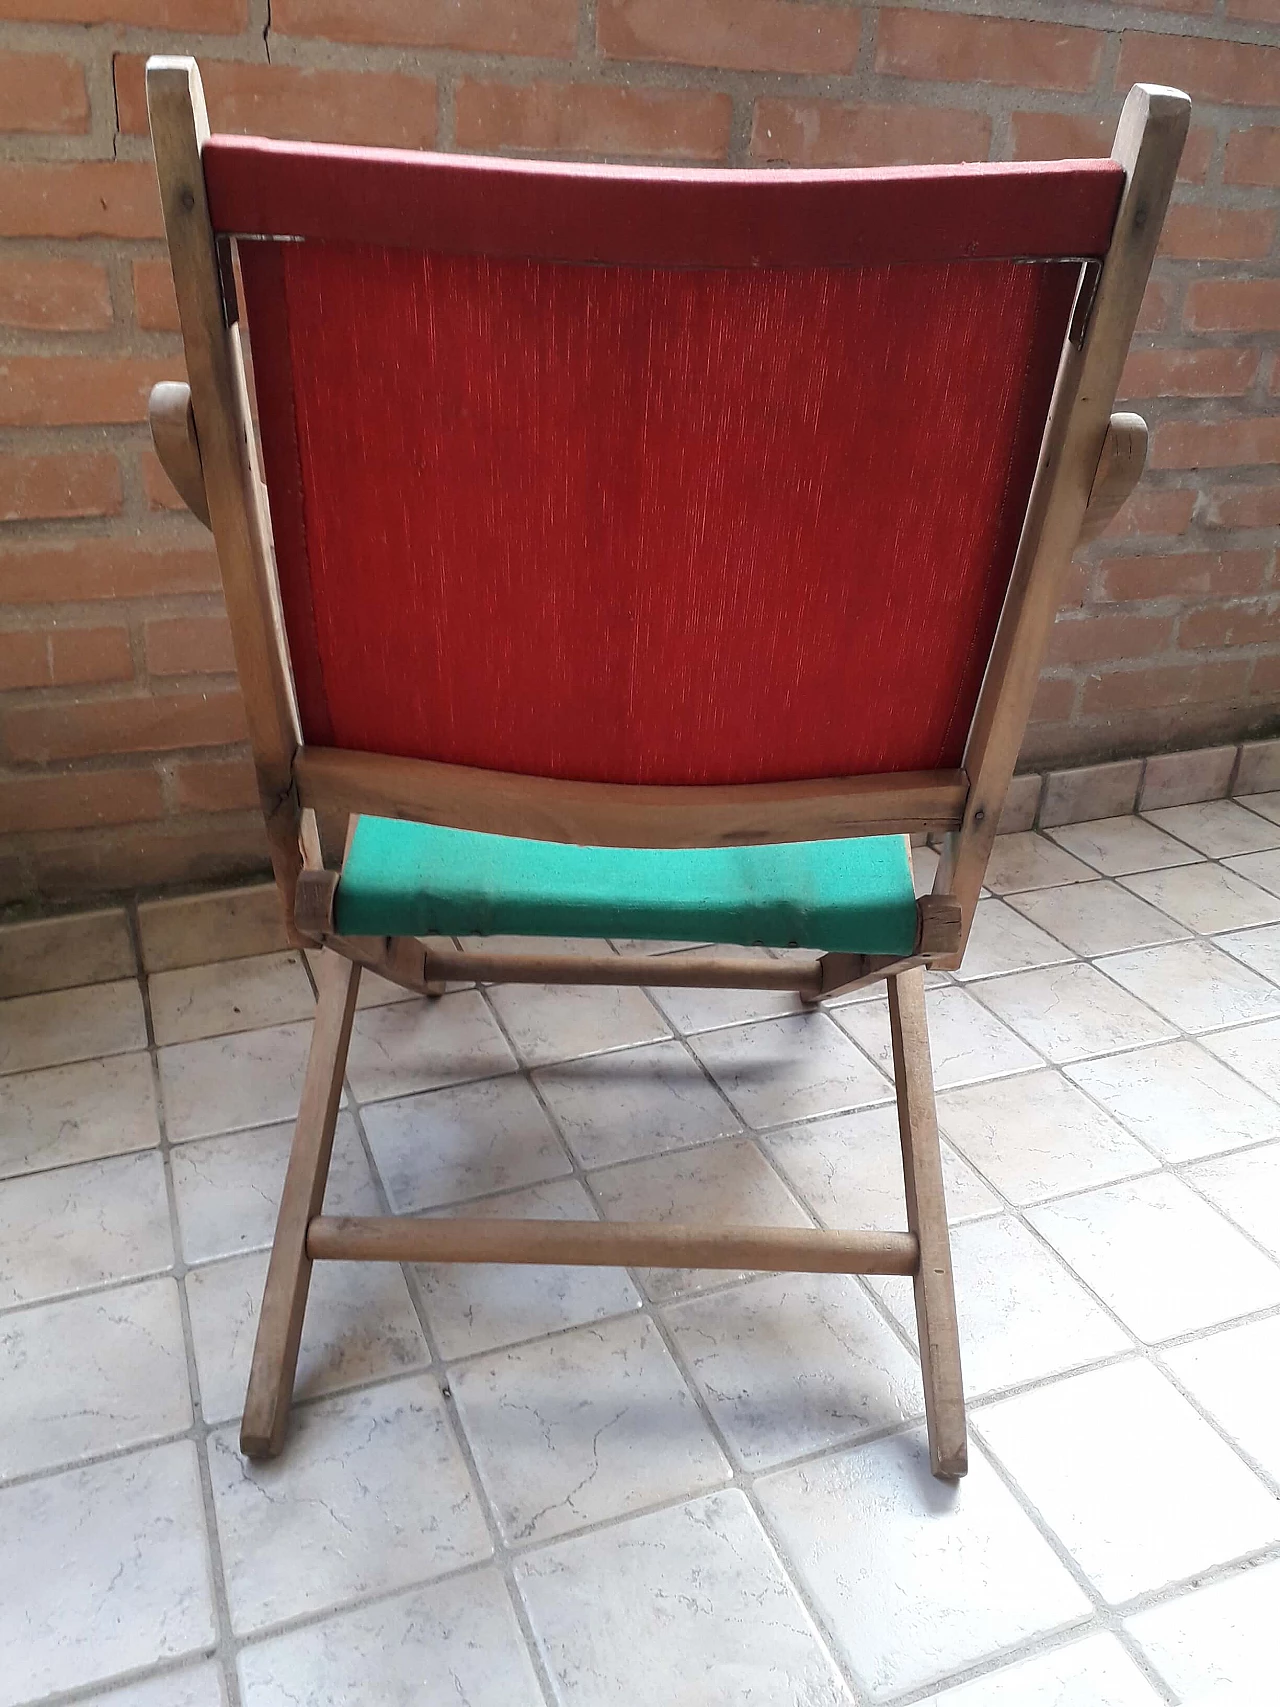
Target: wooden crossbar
{"x": 608, "y": 1244}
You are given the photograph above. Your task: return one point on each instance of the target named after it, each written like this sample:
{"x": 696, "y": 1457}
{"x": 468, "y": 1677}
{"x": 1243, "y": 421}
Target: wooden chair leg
{"x": 927, "y": 1218}
{"x": 284, "y": 1299}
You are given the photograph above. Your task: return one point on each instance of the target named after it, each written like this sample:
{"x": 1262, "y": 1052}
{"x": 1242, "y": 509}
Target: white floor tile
{"x": 91, "y": 1375}
{"x": 103, "y": 1571}
{"x": 1037, "y": 1136}
{"x": 474, "y": 1307}
{"x": 78, "y": 1227}
{"x": 795, "y": 1363}
{"x": 1254, "y": 1052}
{"x": 931, "y": 1577}
{"x": 554, "y": 1022}
{"x": 687, "y": 1605}
{"x": 1133, "y": 1244}
{"x": 1096, "y": 918}
{"x": 371, "y": 1494}
{"x": 1235, "y": 1377}
{"x": 360, "y": 1326}
{"x": 1261, "y": 870}
{"x": 1207, "y": 897}
{"x": 703, "y": 1010}
{"x": 1003, "y": 941}
{"x": 1267, "y": 804}
{"x": 1118, "y": 846}
{"x": 728, "y": 1184}
{"x": 1215, "y": 1639}
{"x": 228, "y": 1189}
{"x": 848, "y": 1170}
{"x": 1246, "y": 1187}
{"x": 634, "y": 1102}
{"x": 1022, "y": 1314}
{"x": 1027, "y": 861}
{"x": 966, "y": 1043}
{"x": 564, "y": 1430}
{"x": 193, "y": 1686}
{"x": 1259, "y": 949}
{"x": 1096, "y": 1672}
{"x": 786, "y": 1069}
{"x": 1179, "y": 1099}
{"x": 1069, "y": 1012}
{"x": 1104, "y": 1457}
{"x": 231, "y": 995}
{"x": 1217, "y": 828}
{"x": 76, "y": 1113}
{"x": 71, "y": 1025}
{"x": 418, "y": 1046}
{"x": 220, "y": 924}
{"x": 217, "y": 1084}
{"x": 461, "y": 1142}
{"x": 1195, "y": 985}
{"x": 454, "y": 1644}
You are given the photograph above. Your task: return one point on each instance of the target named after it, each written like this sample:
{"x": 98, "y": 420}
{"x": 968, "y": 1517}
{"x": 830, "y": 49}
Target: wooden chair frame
{"x": 1089, "y": 461}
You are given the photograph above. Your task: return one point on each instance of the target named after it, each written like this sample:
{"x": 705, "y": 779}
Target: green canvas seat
{"x": 404, "y": 879}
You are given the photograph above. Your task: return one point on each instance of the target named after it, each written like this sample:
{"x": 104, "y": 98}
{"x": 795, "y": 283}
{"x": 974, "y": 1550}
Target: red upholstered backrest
{"x": 643, "y": 477}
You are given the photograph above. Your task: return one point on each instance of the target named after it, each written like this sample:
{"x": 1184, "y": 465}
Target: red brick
{"x": 1253, "y": 156}
{"x": 1081, "y": 136}
{"x": 214, "y": 785}
{"x": 92, "y": 569}
{"x": 1217, "y": 444}
{"x": 24, "y": 658}
{"x": 580, "y": 118}
{"x": 71, "y": 865}
{"x": 1189, "y": 373}
{"x": 1054, "y": 699}
{"x": 1184, "y": 574}
{"x": 963, "y": 49}
{"x": 57, "y": 391}
{"x": 43, "y": 487}
{"x": 43, "y": 91}
{"x": 161, "y": 493}
{"x": 1153, "y": 314}
{"x": 1251, "y": 622}
{"x": 54, "y": 296}
{"x": 139, "y": 724}
{"x": 804, "y": 132}
{"x": 1243, "y": 507}
{"x": 1166, "y": 685}
{"x": 385, "y": 109}
{"x": 743, "y": 35}
{"x": 87, "y": 198}
{"x": 155, "y": 307}
{"x": 1236, "y": 73}
{"x": 1149, "y": 512}
{"x": 1092, "y": 638}
{"x": 211, "y": 17}
{"x": 1233, "y": 305}
{"x": 1196, "y": 233}
{"x": 189, "y": 645}
{"x": 1257, "y": 11}
{"x": 90, "y": 654}
{"x": 488, "y": 26}
{"x": 79, "y": 799}
{"x": 1265, "y": 681}
{"x": 1193, "y": 168}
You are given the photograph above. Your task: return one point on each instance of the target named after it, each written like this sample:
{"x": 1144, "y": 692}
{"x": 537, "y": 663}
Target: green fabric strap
{"x": 403, "y": 879}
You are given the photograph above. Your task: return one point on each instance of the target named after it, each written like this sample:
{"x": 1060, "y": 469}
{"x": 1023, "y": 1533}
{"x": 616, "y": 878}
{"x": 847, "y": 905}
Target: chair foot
{"x": 284, "y": 1299}
{"x": 435, "y": 987}
{"x": 936, "y": 1324}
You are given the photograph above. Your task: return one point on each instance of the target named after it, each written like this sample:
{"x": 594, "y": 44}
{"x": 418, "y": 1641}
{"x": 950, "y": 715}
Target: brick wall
{"x": 121, "y": 733}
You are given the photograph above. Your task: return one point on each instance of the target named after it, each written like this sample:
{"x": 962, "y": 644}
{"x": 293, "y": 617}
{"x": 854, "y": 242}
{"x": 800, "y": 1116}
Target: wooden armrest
{"x": 173, "y": 432}
{"x": 313, "y": 899}
{"x": 1120, "y": 466}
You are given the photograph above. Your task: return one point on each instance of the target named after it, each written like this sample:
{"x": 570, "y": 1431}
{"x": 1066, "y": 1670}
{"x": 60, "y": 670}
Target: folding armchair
{"x": 642, "y": 554}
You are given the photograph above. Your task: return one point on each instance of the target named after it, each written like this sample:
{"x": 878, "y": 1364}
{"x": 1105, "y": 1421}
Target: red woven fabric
{"x": 629, "y": 525}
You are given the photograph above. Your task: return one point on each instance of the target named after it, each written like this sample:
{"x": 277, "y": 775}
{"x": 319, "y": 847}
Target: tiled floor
{"x": 507, "y": 1487}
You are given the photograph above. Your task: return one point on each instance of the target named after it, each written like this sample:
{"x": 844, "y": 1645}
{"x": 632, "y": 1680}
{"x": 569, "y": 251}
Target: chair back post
{"x": 224, "y": 427}
{"x": 1148, "y": 144}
